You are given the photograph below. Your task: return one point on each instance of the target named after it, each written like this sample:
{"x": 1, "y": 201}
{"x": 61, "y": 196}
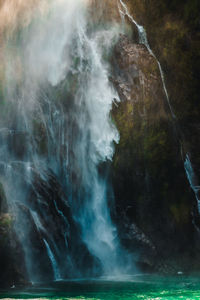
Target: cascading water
{"x": 192, "y": 180}
{"x": 143, "y": 40}
{"x": 56, "y": 133}
{"x": 53, "y": 261}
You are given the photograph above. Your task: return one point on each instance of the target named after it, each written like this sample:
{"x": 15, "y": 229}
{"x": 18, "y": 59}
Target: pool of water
{"x": 134, "y": 287}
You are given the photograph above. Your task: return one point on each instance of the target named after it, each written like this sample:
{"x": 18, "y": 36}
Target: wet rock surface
{"x": 150, "y": 184}
{"x": 12, "y": 263}
{"x": 173, "y": 32}
{"x": 12, "y": 257}
{"x": 46, "y": 219}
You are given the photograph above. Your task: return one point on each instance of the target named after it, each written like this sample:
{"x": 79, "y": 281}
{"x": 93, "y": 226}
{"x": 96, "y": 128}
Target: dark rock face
{"x": 13, "y": 270}
{"x": 150, "y": 184}
{"x": 48, "y": 219}
{"x": 173, "y": 31}
{"x": 46, "y": 216}
{"x": 12, "y": 263}
{"x": 59, "y": 229}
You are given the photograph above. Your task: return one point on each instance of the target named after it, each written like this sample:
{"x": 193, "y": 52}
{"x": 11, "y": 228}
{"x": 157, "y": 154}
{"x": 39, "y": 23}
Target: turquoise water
{"x": 137, "y": 287}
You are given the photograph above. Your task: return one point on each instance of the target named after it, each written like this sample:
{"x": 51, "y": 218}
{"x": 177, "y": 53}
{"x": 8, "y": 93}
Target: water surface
{"x": 137, "y": 287}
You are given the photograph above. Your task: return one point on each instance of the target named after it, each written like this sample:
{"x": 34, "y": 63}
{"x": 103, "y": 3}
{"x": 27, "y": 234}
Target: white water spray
{"x": 59, "y": 97}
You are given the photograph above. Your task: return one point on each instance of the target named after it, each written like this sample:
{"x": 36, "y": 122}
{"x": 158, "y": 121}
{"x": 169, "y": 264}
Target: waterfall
{"x": 53, "y": 261}
{"x": 56, "y": 116}
{"x": 143, "y": 40}
{"x": 192, "y": 180}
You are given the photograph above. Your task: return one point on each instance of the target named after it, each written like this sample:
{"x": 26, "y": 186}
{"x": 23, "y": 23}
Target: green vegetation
{"x": 5, "y": 221}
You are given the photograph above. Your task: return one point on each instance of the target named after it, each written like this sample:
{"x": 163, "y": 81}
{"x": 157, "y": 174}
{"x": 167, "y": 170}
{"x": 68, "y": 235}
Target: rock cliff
{"x": 151, "y": 187}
